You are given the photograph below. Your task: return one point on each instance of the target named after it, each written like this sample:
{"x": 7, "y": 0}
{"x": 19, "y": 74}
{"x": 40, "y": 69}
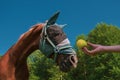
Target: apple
{"x": 81, "y": 43}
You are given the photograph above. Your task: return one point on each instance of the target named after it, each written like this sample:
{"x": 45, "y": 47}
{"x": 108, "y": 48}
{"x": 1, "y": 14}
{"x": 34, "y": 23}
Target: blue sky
{"x": 17, "y": 16}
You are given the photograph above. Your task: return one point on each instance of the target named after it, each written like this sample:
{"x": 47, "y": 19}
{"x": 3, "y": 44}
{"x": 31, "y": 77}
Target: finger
{"x": 89, "y": 52}
{"x": 94, "y": 51}
{"x": 86, "y": 51}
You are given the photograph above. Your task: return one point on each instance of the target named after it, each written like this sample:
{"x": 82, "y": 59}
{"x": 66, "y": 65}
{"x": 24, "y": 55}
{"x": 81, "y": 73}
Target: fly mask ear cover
{"x": 47, "y": 49}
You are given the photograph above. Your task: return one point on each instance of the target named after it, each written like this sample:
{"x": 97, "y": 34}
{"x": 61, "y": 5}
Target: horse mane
{"x": 24, "y": 39}
{"x": 30, "y": 31}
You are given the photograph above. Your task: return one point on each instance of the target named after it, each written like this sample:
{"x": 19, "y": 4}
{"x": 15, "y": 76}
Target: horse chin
{"x": 65, "y": 67}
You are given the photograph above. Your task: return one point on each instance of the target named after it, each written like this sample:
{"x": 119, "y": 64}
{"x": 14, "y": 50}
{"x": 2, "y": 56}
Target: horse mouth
{"x": 65, "y": 67}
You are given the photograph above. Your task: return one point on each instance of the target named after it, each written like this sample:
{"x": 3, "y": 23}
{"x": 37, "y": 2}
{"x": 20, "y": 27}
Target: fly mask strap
{"x": 62, "y": 48}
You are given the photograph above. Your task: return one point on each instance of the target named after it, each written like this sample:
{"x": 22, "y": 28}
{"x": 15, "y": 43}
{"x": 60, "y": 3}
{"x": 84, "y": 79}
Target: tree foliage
{"x": 42, "y": 68}
{"x": 103, "y": 66}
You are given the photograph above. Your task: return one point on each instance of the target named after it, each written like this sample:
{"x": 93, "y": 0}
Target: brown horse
{"x": 49, "y": 38}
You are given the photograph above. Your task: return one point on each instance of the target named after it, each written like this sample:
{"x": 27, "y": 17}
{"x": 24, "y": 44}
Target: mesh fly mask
{"x": 47, "y": 46}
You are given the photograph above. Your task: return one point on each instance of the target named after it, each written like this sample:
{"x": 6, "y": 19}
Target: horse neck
{"x": 26, "y": 44}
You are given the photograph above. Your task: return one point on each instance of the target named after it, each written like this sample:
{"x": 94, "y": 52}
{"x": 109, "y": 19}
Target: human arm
{"x": 97, "y": 48}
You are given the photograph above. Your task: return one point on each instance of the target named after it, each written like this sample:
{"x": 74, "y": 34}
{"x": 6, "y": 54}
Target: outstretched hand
{"x": 96, "y": 48}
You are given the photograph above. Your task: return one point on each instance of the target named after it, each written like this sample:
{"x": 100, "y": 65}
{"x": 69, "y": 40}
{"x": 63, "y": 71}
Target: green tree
{"x": 42, "y": 68}
{"x": 104, "y": 66}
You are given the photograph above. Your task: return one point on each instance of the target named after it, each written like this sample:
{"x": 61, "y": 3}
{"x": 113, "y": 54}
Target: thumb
{"x": 92, "y": 45}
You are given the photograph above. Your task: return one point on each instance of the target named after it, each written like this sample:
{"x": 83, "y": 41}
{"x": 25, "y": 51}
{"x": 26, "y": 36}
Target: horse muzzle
{"x": 69, "y": 63}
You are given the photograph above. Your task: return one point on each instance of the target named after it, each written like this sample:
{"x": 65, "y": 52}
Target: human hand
{"x": 96, "y": 48}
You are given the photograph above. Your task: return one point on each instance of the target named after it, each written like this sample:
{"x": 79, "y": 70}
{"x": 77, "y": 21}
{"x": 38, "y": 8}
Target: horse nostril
{"x": 73, "y": 60}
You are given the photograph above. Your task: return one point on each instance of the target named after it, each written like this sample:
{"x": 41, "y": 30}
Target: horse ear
{"x": 53, "y": 19}
{"x": 62, "y": 26}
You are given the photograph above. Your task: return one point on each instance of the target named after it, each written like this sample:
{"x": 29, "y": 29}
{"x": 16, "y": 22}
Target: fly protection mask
{"x": 47, "y": 46}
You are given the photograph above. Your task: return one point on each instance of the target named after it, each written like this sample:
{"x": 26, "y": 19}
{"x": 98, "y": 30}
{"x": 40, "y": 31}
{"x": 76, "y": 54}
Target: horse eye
{"x": 56, "y": 34}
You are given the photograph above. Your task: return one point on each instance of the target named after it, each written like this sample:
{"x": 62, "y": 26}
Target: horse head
{"x": 55, "y": 44}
